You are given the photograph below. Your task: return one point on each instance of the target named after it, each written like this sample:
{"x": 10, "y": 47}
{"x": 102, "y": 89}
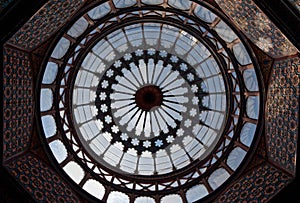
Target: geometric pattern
{"x": 44, "y": 184}
{"x": 188, "y": 77}
{"x": 38, "y": 179}
{"x": 257, "y": 27}
{"x": 259, "y": 157}
{"x": 17, "y": 102}
{"x": 265, "y": 63}
{"x": 258, "y": 185}
{"x": 112, "y": 73}
{"x": 45, "y": 23}
{"x": 282, "y": 118}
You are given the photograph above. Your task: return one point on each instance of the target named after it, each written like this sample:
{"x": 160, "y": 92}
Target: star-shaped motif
{"x": 115, "y": 129}
{"x": 108, "y": 119}
{"x": 190, "y": 77}
{"x": 110, "y": 73}
{"x": 158, "y": 143}
{"x": 195, "y": 100}
{"x": 170, "y": 139}
{"x": 187, "y": 123}
{"x": 124, "y": 136}
{"x": 102, "y": 96}
{"x": 163, "y": 53}
{"x": 127, "y": 57}
{"x": 174, "y": 59}
{"x": 103, "y": 108}
{"x": 183, "y": 67}
{"x": 118, "y": 64}
{"x": 194, "y": 88}
{"x": 135, "y": 142}
{"x": 151, "y": 51}
{"x": 193, "y": 112}
{"x": 147, "y": 144}
{"x": 139, "y": 52}
{"x": 180, "y": 132}
{"x": 104, "y": 84}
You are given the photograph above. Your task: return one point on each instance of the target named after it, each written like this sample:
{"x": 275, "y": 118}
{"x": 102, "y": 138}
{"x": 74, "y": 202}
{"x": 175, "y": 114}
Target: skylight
{"x": 148, "y": 97}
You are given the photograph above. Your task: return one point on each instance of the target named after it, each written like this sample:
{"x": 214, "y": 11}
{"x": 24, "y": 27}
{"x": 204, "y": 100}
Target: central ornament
{"x": 148, "y": 97}
{"x": 148, "y": 101}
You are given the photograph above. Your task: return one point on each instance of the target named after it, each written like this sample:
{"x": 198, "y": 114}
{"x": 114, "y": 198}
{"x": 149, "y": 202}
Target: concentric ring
{"x": 150, "y": 99}
{"x": 137, "y": 130}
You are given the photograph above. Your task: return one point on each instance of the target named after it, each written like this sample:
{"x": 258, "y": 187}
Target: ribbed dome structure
{"x": 143, "y": 100}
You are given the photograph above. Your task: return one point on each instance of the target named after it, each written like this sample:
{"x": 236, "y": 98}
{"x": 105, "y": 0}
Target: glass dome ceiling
{"x": 153, "y": 111}
{"x": 150, "y": 101}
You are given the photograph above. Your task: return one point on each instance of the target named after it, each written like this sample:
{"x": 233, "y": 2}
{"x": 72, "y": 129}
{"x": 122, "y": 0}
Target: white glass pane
{"x": 180, "y": 158}
{"x": 93, "y": 63}
{"x": 183, "y": 44}
{"x": 217, "y": 102}
{"x": 208, "y": 68}
{"x": 46, "y": 99}
{"x": 152, "y": 2}
{"x": 134, "y": 34}
{"x": 214, "y": 85}
{"x": 99, "y": 145}
{"x": 247, "y": 134}
{"x": 113, "y": 155}
{"x": 194, "y": 148}
{"x": 89, "y": 130}
{"x": 163, "y": 162}
{"x": 196, "y": 193}
{"x": 146, "y": 166}
{"x": 144, "y": 200}
{"x": 197, "y": 54}
{"x": 241, "y": 54}
{"x": 74, "y": 171}
{"x": 78, "y": 28}
{"x": 128, "y": 163}
{"x": 104, "y": 50}
{"x": 117, "y": 197}
{"x": 123, "y": 4}
{"x": 59, "y": 150}
{"x": 82, "y": 96}
{"x": 118, "y": 40}
{"x": 50, "y": 73}
{"x": 168, "y": 36}
{"x": 151, "y": 34}
{"x": 180, "y": 4}
{"x": 61, "y": 48}
{"x": 217, "y": 178}
{"x": 86, "y": 79}
{"x": 253, "y": 107}
{"x": 204, "y": 14}
{"x": 94, "y": 188}
{"x": 99, "y": 11}
{"x": 171, "y": 199}
{"x": 235, "y": 157}
{"x": 225, "y": 32}
{"x": 49, "y": 125}
{"x": 250, "y": 80}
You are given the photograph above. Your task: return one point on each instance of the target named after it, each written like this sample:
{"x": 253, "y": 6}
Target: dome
{"x": 150, "y": 100}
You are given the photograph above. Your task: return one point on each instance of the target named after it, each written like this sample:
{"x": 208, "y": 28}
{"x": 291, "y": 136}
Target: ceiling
{"x": 269, "y": 174}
